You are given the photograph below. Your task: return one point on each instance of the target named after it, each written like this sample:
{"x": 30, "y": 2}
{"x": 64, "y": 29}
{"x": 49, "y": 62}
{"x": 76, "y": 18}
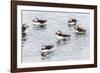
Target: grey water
{"x": 76, "y": 48}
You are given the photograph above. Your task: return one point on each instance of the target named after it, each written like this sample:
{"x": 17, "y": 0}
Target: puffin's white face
{"x": 76, "y": 27}
{"x": 24, "y": 25}
{"x": 36, "y": 19}
{"x": 70, "y": 19}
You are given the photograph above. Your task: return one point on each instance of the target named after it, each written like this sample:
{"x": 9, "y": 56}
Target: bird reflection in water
{"x": 79, "y": 35}
{"x": 46, "y": 55}
{"x": 23, "y": 38}
{"x": 62, "y": 42}
{"x": 42, "y": 26}
{"x": 39, "y": 27}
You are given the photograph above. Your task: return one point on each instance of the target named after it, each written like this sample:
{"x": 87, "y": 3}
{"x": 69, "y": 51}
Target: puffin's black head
{"x": 42, "y": 48}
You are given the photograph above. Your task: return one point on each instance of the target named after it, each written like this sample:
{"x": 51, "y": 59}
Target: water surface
{"x": 76, "y": 48}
